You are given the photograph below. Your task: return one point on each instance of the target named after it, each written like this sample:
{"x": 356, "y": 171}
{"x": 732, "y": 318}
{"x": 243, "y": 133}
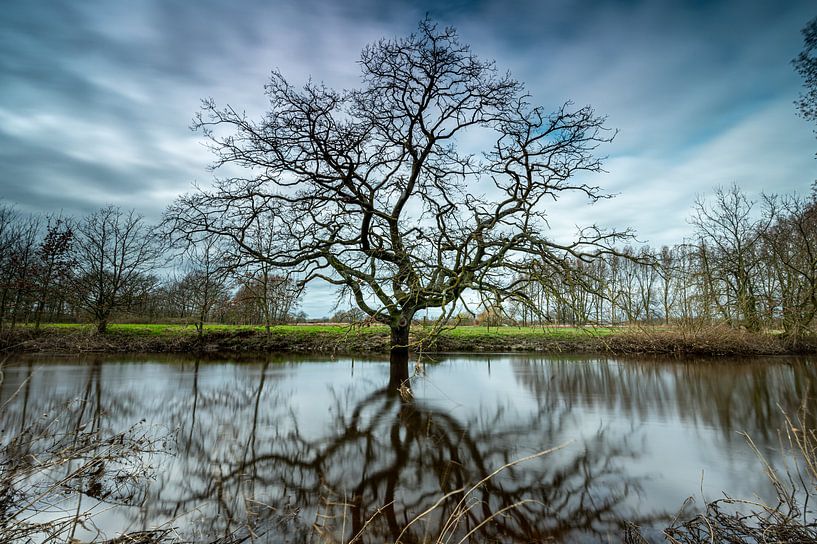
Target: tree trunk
{"x": 38, "y": 315}
{"x": 398, "y": 375}
{"x": 102, "y": 326}
{"x": 3, "y": 308}
{"x": 43, "y": 296}
{"x": 40, "y": 305}
{"x": 400, "y": 337}
{"x": 15, "y": 309}
{"x": 792, "y": 334}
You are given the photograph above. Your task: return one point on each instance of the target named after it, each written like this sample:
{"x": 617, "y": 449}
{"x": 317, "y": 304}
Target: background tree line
{"x": 750, "y": 265}
{"x": 111, "y": 265}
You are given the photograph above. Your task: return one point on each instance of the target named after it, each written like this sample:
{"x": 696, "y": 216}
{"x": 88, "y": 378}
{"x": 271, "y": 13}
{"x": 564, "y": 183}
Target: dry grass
{"x": 711, "y": 341}
{"x": 466, "y": 503}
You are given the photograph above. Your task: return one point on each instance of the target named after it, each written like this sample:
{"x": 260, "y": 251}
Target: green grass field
{"x": 460, "y": 332}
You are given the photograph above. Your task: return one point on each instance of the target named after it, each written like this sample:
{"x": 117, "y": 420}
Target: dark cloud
{"x": 96, "y": 97}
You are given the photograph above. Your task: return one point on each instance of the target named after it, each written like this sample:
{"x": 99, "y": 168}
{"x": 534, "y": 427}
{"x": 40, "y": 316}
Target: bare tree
{"x": 265, "y": 286}
{"x": 266, "y": 298}
{"x": 113, "y": 250}
{"x": 647, "y": 279}
{"x": 792, "y": 247}
{"x": 729, "y": 233}
{"x": 20, "y": 263}
{"x": 8, "y": 241}
{"x": 54, "y": 263}
{"x": 373, "y": 192}
{"x": 666, "y": 268}
{"x": 206, "y": 282}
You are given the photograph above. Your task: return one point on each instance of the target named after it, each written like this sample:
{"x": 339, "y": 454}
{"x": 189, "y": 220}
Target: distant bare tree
{"x": 792, "y": 244}
{"x": 647, "y": 278}
{"x": 373, "y": 191}
{"x": 54, "y": 263}
{"x": 729, "y": 232}
{"x": 268, "y": 288}
{"x": 266, "y": 299}
{"x": 667, "y": 270}
{"x": 113, "y": 250}
{"x": 630, "y": 301}
{"x": 20, "y": 261}
{"x": 206, "y": 282}
{"x": 8, "y": 238}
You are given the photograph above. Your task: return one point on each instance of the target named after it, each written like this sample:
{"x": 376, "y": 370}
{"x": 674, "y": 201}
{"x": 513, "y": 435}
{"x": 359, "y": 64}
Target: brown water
{"x": 310, "y": 449}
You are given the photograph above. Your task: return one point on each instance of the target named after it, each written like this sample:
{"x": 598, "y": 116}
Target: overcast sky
{"x": 96, "y": 97}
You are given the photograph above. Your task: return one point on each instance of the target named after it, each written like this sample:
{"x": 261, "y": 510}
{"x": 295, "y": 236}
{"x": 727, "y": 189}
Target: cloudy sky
{"x": 96, "y": 97}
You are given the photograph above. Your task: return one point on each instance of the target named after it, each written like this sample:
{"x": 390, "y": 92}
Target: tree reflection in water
{"x": 730, "y": 395}
{"x": 284, "y": 452}
{"x": 247, "y": 464}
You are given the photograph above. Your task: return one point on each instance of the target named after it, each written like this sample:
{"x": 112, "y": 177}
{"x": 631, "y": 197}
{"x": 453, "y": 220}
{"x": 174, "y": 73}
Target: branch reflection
{"x": 280, "y": 451}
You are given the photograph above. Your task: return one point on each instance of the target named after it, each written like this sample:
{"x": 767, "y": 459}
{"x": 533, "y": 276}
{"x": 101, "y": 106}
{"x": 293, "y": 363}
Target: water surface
{"x": 313, "y": 450}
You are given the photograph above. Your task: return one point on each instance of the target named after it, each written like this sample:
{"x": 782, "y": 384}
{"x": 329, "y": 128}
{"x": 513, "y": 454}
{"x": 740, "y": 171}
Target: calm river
{"x": 313, "y": 449}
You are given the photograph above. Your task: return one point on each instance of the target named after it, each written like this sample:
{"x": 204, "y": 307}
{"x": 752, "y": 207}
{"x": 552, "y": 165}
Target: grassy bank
{"x": 173, "y": 338}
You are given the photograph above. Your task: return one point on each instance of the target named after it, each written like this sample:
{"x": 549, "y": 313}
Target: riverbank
{"x": 720, "y": 341}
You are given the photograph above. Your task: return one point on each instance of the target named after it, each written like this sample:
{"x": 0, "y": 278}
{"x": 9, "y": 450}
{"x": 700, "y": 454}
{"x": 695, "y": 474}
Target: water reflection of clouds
{"x": 280, "y": 432}
{"x": 689, "y": 415}
{"x": 462, "y": 383}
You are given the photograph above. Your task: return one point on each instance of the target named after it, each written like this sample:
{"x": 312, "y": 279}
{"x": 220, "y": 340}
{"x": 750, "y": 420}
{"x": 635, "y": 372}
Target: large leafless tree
{"x": 377, "y": 189}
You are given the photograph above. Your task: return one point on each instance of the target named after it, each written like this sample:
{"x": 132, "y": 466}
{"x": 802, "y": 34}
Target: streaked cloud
{"x": 96, "y": 97}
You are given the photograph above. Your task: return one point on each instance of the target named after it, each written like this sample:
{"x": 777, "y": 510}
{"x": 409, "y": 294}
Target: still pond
{"x": 311, "y": 449}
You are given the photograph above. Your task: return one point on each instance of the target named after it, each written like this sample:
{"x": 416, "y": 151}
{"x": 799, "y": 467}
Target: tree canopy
{"x": 379, "y": 190}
